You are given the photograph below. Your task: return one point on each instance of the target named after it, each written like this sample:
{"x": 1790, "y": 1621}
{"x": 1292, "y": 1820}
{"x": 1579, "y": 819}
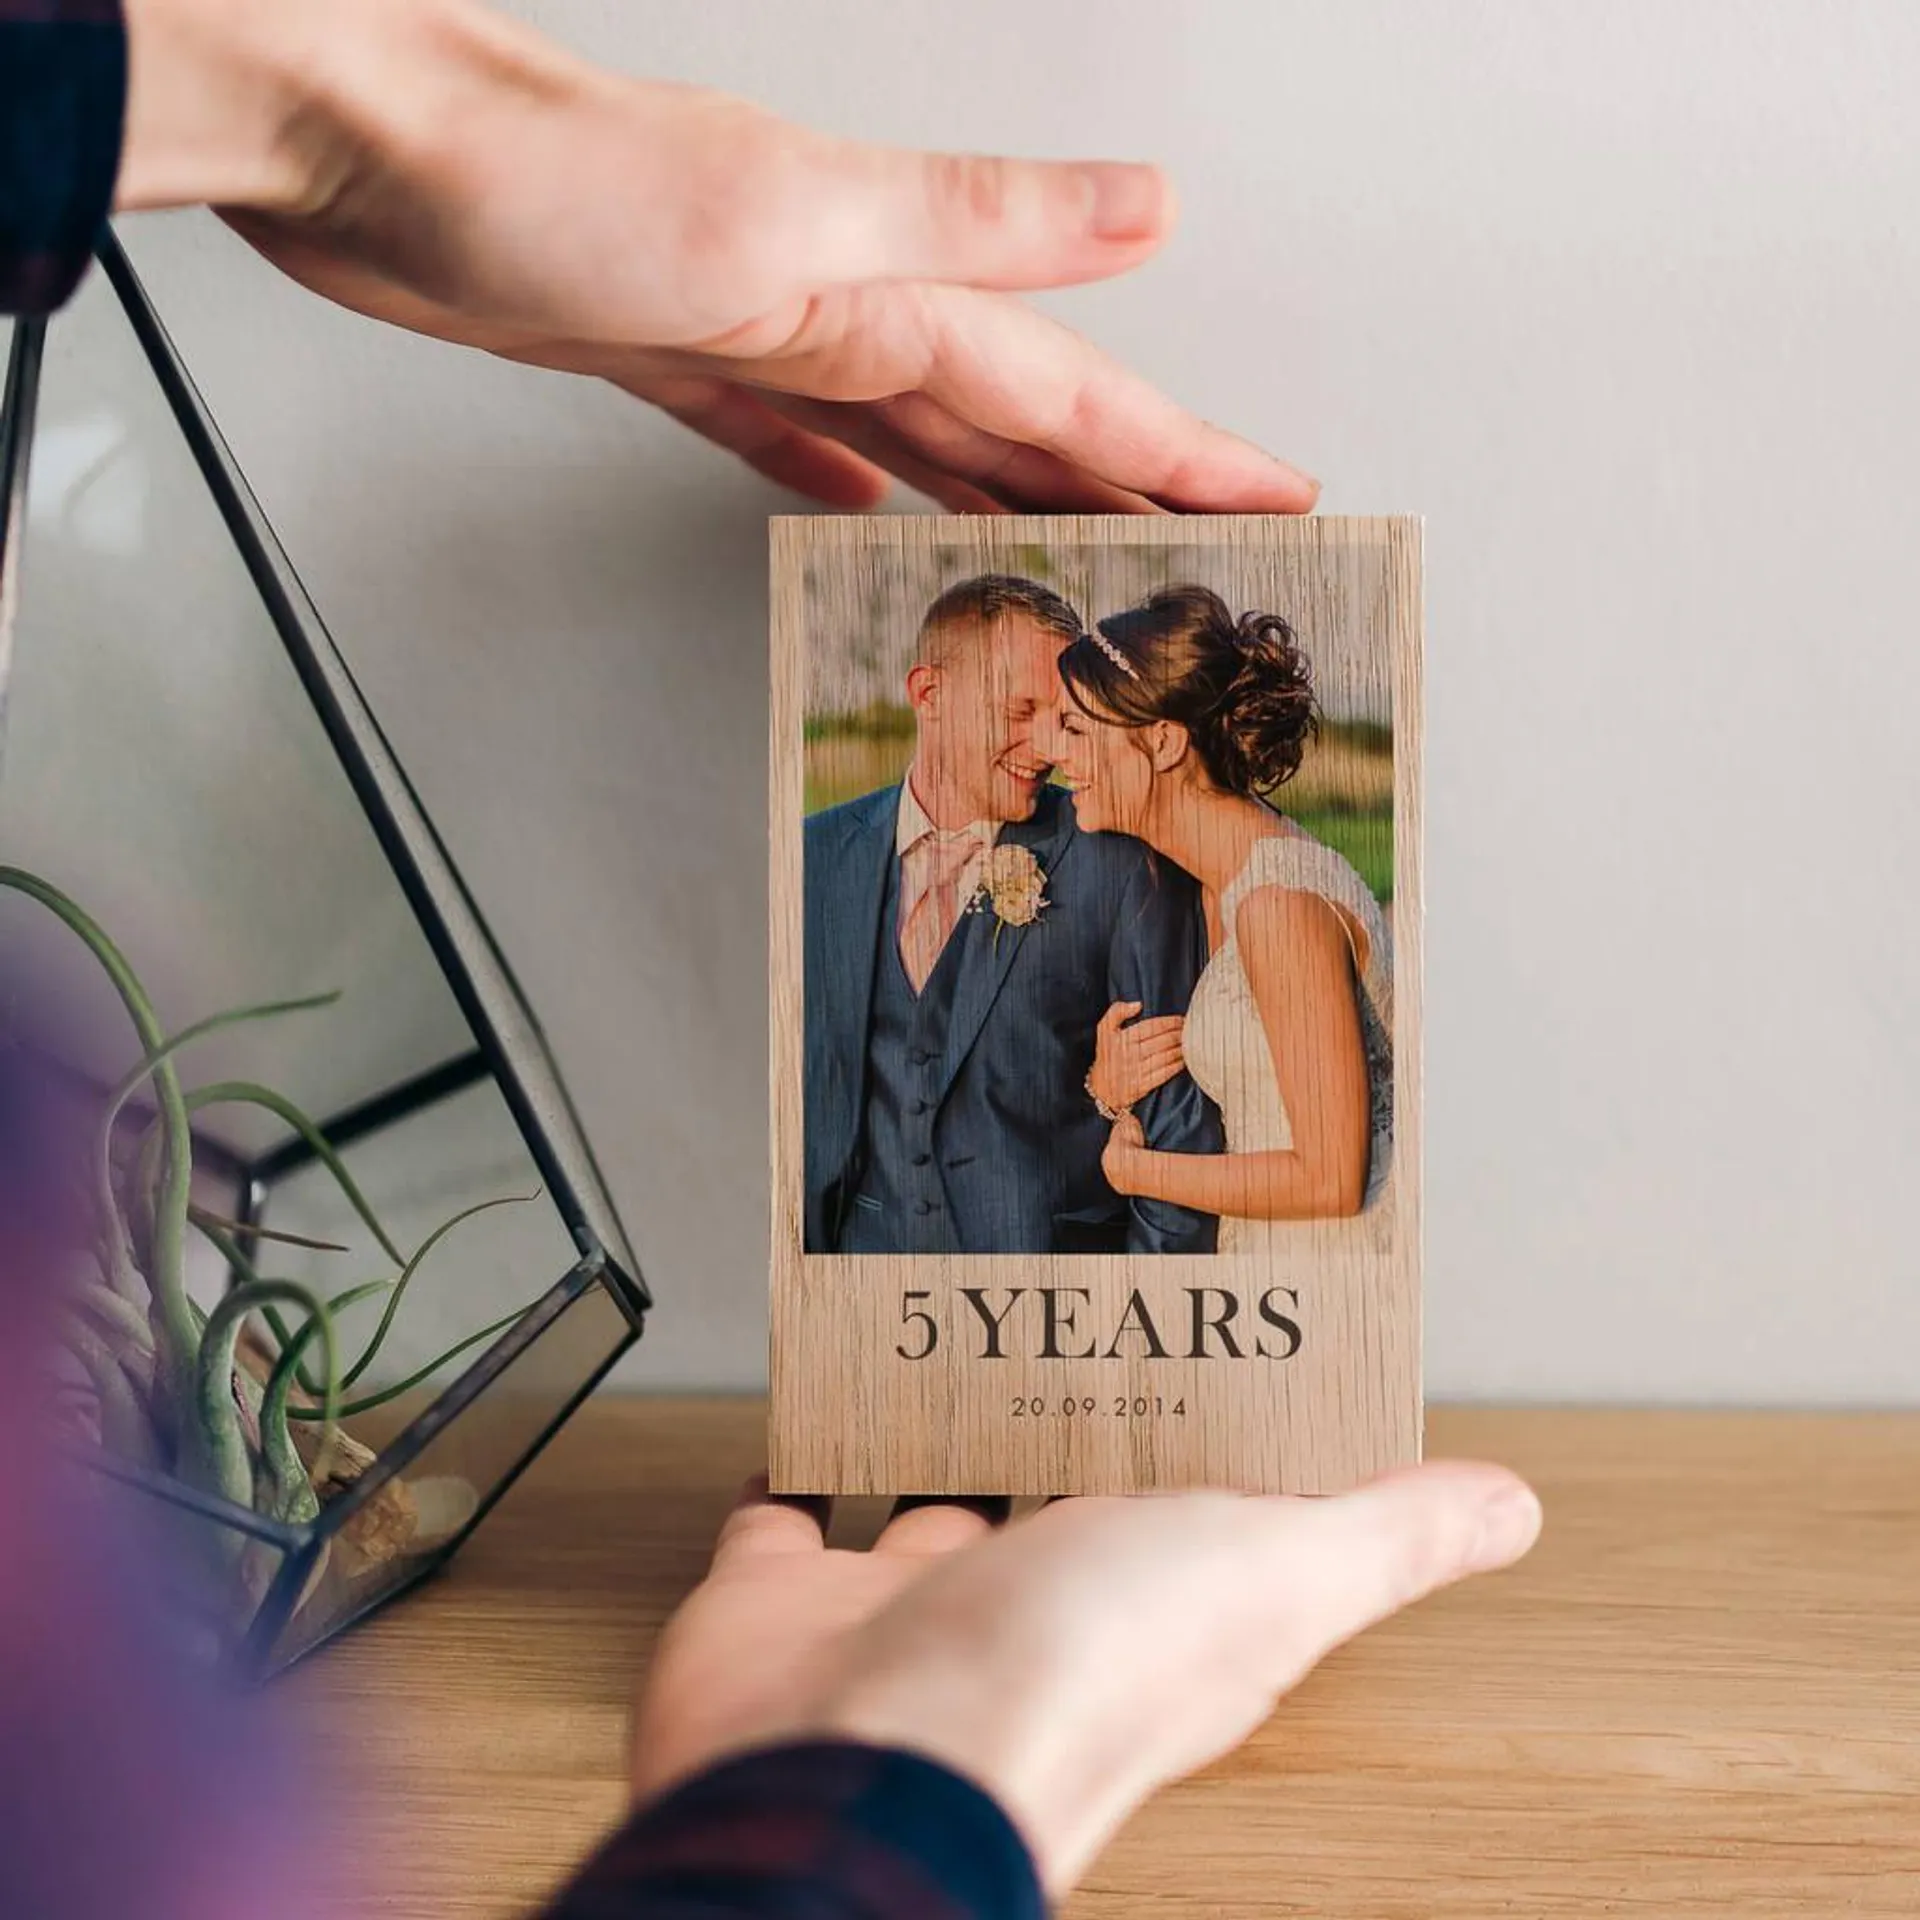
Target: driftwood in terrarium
{"x": 236, "y": 1400}
{"x": 406, "y": 1514}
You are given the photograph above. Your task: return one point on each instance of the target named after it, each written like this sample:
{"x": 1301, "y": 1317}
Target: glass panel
{"x": 204, "y": 1579}
{"x": 165, "y": 768}
{"x": 416, "y": 1175}
{"x": 476, "y": 1440}
{"x": 466, "y": 946}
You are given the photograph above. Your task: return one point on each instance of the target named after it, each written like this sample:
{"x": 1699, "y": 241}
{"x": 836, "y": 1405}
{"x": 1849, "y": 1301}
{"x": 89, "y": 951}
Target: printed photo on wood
{"x": 1095, "y": 955}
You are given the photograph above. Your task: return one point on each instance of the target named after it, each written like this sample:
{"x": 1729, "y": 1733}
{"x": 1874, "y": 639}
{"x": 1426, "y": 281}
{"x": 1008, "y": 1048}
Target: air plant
{"x": 242, "y": 1401}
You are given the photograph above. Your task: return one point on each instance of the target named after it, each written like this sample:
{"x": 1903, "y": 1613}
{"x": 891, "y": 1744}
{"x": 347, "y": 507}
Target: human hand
{"x": 1129, "y": 1061}
{"x": 1120, "y": 1158}
{"x": 1070, "y": 1663}
{"x": 835, "y": 313}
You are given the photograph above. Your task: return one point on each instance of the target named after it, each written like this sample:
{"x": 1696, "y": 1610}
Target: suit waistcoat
{"x": 900, "y": 1204}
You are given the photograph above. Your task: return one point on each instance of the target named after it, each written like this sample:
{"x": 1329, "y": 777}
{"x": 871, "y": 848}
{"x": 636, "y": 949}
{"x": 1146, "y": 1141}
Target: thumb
{"x": 1337, "y": 1566}
{"x": 1120, "y": 1011}
{"x": 890, "y": 213}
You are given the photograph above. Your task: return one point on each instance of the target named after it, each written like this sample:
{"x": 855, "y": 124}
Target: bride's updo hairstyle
{"x": 1243, "y": 689}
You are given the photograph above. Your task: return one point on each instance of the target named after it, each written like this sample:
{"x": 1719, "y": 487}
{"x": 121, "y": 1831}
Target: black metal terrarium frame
{"x": 510, "y": 1051}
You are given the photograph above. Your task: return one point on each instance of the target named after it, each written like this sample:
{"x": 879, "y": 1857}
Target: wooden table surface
{"x": 1701, "y": 1695}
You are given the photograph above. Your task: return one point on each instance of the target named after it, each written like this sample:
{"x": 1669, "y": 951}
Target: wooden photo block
{"x": 1095, "y": 1003}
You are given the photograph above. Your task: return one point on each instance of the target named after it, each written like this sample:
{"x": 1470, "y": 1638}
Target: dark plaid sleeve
{"x": 63, "y": 94}
{"x": 820, "y": 1831}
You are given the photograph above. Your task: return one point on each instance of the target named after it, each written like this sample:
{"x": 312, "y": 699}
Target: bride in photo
{"x": 1176, "y": 722}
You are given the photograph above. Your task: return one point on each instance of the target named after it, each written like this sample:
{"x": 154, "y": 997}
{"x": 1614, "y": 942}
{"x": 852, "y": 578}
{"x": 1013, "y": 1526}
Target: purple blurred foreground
{"x": 132, "y": 1782}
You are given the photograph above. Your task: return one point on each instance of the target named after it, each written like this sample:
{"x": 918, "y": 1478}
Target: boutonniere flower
{"x": 1012, "y": 887}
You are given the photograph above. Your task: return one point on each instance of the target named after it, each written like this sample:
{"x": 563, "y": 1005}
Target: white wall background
{"x": 1624, "y": 300}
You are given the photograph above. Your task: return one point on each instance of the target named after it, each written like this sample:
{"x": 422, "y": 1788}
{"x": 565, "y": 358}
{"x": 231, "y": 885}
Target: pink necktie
{"x": 930, "y": 875}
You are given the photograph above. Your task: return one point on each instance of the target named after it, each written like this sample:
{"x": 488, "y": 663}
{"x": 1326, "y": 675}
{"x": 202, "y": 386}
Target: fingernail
{"x": 1125, "y": 202}
{"x": 1509, "y": 1525}
{"x": 1300, "y": 477}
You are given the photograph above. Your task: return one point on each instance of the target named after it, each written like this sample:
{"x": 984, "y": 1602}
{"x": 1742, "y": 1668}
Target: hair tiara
{"x": 1113, "y": 653}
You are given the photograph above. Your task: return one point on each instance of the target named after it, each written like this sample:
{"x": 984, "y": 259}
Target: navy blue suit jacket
{"x": 1016, "y": 1138}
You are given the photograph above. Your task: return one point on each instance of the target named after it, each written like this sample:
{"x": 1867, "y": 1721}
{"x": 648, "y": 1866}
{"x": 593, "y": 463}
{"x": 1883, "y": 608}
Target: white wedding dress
{"x": 1226, "y": 1043}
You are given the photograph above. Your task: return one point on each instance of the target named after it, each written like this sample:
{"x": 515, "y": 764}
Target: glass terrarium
{"x": 347, "y": 1262}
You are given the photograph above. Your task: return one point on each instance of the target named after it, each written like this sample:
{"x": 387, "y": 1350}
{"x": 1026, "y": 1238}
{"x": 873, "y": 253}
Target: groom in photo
{"x": 963, "y": 940}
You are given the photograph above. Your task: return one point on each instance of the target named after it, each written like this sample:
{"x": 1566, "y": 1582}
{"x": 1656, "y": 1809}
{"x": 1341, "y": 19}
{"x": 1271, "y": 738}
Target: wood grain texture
{"x": 1700, "y": 1695}
{"x": 850, "y": 1412}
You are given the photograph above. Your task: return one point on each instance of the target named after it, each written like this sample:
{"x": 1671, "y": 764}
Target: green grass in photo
{"x": 1343, "y": 795}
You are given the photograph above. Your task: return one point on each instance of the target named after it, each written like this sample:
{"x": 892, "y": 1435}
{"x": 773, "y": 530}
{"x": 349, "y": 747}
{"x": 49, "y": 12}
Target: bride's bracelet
{"x": 1106, "y": 1113}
